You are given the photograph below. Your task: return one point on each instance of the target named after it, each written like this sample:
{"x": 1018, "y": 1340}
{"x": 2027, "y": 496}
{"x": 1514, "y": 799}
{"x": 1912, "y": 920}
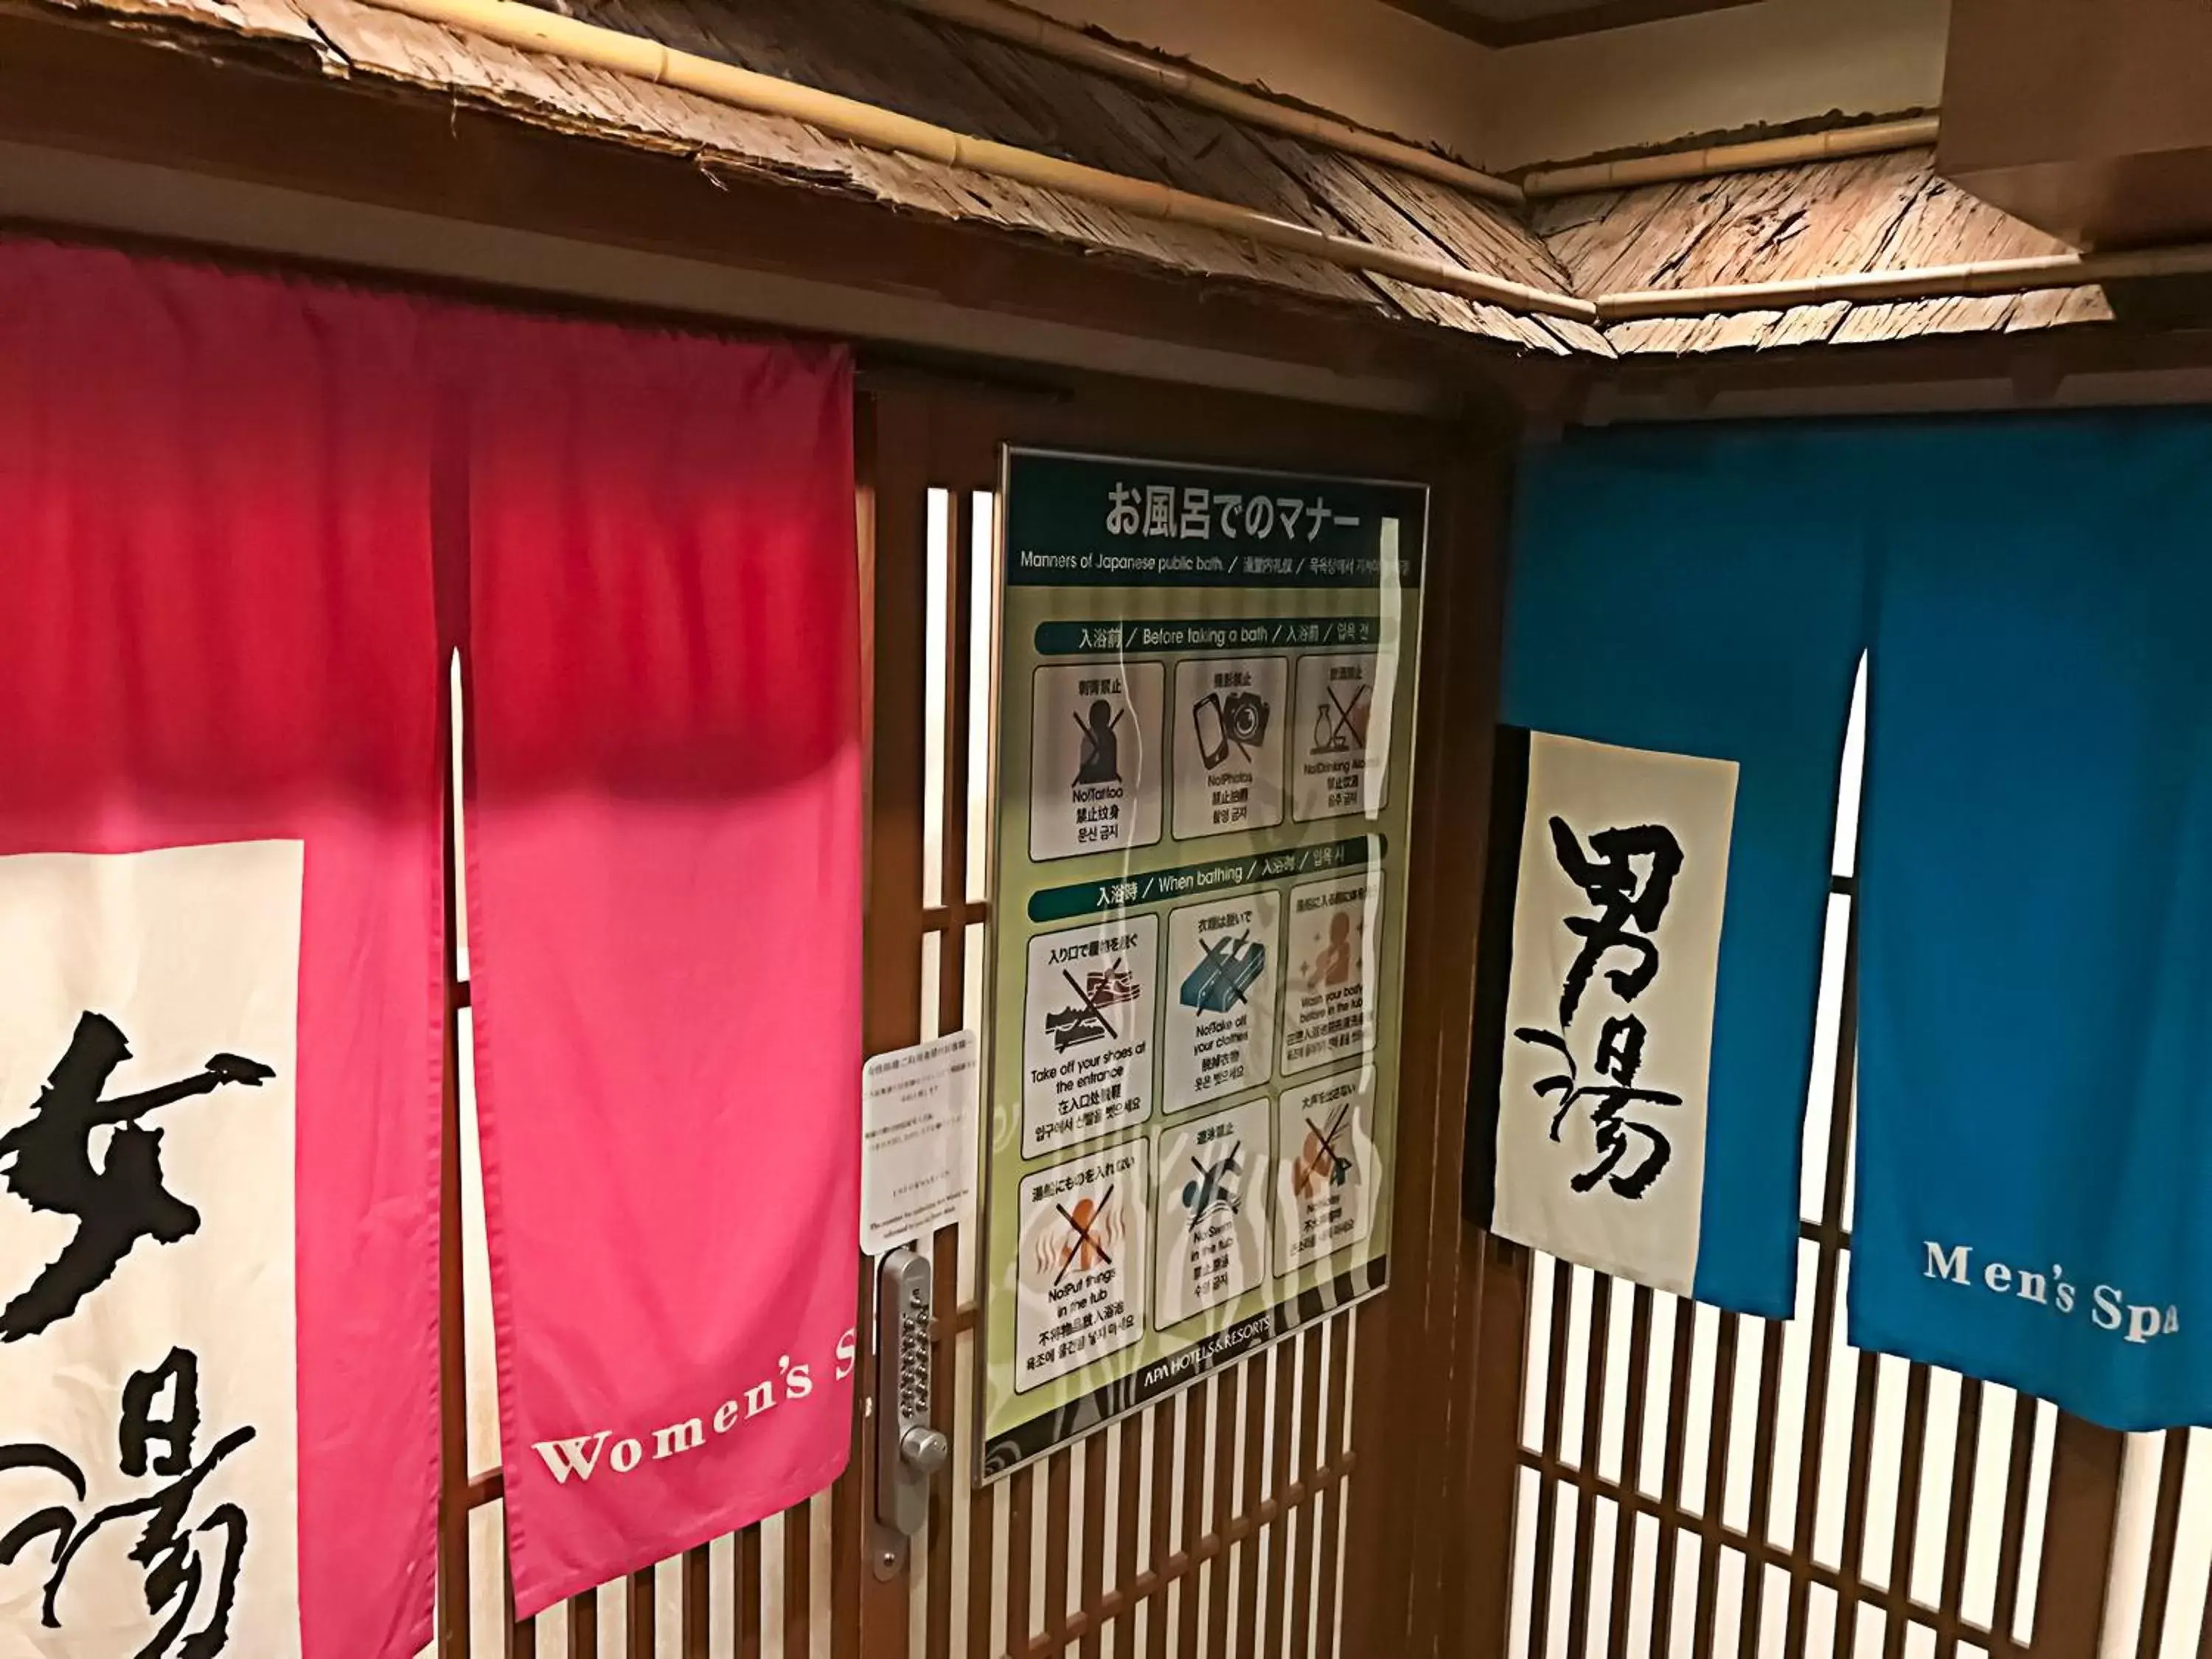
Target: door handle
{"x": 909, "y": 1450}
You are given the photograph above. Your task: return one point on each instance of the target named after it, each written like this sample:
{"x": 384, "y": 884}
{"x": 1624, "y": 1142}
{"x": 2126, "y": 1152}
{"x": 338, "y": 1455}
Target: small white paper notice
{"x": 918, "y": 1140}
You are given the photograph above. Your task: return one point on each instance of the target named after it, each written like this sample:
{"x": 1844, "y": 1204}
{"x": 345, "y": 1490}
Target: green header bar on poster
{"x": 1094, "y": 521}
{"x": 1114, "y": 637}
{"x": 1197, "y": 880}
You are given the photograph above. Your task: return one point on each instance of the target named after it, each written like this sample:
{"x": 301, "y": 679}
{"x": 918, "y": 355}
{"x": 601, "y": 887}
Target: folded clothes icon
{"x": 1224, "y": 974}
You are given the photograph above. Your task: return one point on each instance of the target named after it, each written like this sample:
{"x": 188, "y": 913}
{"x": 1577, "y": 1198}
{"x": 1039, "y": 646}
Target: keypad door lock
{"x": 909, "y": 1450}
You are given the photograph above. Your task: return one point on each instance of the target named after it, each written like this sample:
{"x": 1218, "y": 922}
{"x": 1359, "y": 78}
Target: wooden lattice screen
{"x": 1692, "y": 1483}
{"x": 1224, "y": 1521}
{"x": 1503, "y": 1455}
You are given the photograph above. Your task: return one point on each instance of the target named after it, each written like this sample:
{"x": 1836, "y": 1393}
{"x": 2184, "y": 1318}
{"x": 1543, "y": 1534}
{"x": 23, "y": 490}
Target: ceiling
{"x": 1517, "y": 22}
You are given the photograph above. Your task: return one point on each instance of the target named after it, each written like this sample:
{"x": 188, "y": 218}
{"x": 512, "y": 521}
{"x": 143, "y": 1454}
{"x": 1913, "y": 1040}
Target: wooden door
{"x": 1298, "y": 1504}
{"x": 1294, "y": 1504}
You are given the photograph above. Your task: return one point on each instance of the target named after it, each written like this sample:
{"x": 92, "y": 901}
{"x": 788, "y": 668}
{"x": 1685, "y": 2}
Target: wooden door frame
{"x": 1406, "y": 1485}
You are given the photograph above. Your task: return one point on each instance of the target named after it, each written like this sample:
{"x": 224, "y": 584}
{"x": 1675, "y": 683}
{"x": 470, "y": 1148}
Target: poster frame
{"x": 1104, "y": 1405}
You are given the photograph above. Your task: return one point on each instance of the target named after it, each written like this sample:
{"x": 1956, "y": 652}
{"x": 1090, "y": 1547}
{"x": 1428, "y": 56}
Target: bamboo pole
{"x": 1023, "y": 28}
{"x": 1628, "y": 172}
{"x": 527, "y": 28}
{"x": 1986, "y": 278}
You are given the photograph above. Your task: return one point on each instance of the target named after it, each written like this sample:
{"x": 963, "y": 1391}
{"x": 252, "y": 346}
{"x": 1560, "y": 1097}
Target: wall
{"x": 1785, "y": 60}
{"x": 1359, "y": 58}
{"x": 1776, "y": 62}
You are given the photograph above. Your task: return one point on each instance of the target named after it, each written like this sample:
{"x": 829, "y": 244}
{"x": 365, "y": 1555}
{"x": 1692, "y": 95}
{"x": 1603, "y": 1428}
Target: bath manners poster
{"x": 1204, "y": 725}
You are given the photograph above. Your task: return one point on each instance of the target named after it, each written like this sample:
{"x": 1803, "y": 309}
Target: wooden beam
{"x": 1951, "y": 372}
{"x": 264, "y": 115}
{"x": 261, "y": 117}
